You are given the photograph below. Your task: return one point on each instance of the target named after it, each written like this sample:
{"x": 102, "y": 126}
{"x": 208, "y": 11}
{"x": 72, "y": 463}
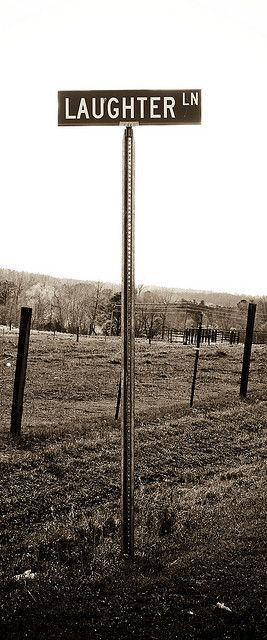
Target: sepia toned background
{"x": 200, "y": 192}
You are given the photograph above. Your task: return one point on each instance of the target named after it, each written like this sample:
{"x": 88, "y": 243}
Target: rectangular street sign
{"x": 81, "y": 108}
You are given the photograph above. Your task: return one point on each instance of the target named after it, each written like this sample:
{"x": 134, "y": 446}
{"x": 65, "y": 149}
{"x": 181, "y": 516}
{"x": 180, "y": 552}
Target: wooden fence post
{"x": 247, "y": 349}
{"x": 21, "y": 366}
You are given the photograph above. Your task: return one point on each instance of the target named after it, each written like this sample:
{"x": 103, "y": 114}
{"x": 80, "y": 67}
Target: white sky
{"x": 201, "y": 191}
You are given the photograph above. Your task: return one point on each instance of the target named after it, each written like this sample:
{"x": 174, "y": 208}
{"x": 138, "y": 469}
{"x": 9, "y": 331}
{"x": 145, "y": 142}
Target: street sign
{"x": 83, "y": 108}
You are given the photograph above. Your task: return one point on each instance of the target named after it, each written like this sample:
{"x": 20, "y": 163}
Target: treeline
{"x": 63, "y": 305}
{"x": 56, "y": 304}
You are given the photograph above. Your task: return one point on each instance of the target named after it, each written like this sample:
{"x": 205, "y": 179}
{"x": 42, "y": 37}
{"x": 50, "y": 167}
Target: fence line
{"x": 185, "y": 336}
{"x": 208, "y": 336}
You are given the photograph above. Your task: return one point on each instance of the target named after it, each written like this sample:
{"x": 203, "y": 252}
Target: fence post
{"x": 118, "y": 401}
{"x": 21, "y": 366}
{"x": 196, "y": 362}
{"x": 247, "y": 349}
{"x": 77, "y": 334}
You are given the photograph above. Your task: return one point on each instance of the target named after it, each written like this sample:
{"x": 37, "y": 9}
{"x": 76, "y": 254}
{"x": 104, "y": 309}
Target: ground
{"x": 198, "y": 569}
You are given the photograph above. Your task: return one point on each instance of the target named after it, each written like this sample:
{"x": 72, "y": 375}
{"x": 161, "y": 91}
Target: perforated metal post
{"x": 247, "y": 349}
{"x": 128, "y": 351}
{"x": 196, "y": 362}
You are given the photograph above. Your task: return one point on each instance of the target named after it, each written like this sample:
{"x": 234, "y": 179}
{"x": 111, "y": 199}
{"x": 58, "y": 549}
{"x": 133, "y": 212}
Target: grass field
{"x": 200, "y": 524}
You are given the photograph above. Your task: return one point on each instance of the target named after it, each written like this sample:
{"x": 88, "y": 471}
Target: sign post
{"x": 144, "y": 107}
{"x": 128, "y": 335}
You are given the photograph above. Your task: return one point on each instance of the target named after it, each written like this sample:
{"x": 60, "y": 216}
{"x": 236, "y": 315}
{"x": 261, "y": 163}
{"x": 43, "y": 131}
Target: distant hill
{"x": 224, "y": 299}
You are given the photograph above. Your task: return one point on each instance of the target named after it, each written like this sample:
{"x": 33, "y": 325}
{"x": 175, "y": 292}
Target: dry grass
{"x": 200, "y": 524}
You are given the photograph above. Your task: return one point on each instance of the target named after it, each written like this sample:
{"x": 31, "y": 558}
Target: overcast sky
{"x": 201, "y": 191}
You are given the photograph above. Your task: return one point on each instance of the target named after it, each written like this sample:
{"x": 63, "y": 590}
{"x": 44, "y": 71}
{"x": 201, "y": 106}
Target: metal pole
{"x": 247, "y": 349}
{"x": 196, "y": 362}
{"x": 118, "y": 401}
{"x": 111, "y": 322}
{"x": 21, "y": 366}
{"x": 128, "y": 335}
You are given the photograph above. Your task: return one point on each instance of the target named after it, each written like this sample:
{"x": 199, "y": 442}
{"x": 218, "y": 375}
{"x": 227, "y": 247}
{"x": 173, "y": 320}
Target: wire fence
{"x": 71, "y": 385}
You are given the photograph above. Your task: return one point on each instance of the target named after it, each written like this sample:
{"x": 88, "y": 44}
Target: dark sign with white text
{"x": 81, "y": 108}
